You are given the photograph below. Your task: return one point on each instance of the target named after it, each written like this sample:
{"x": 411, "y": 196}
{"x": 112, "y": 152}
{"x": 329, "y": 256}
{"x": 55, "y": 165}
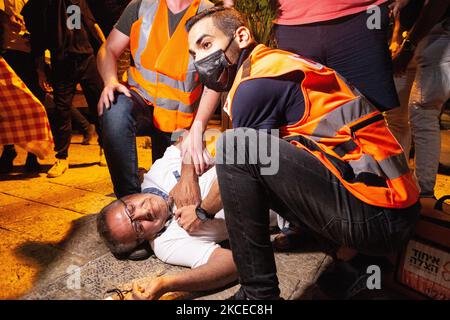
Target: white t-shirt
{"x": 175, "y": 245}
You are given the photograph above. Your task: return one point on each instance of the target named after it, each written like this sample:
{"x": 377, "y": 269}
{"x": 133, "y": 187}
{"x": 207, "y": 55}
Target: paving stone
{"x": 26, "y": 263}
{"x": 84, "y": 240}
{"x": 296, "y": 273}
{"x": 45, "y": 224}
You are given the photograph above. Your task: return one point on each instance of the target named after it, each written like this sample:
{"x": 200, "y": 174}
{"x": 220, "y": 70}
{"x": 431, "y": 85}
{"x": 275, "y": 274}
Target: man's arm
{"x": 219, "y": 271}
{"x": 187, "y": 217}
{"x": 107, "y": 58}
{"x": 194, "y": 141}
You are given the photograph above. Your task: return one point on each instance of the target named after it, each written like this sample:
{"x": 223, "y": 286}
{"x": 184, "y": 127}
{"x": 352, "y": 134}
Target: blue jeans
{"x": 121, "y": 124}
{"x": 304, "y": 192}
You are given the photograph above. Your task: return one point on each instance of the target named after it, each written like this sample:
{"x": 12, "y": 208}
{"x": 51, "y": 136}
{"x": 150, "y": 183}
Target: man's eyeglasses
{"x": 136, "y": 224}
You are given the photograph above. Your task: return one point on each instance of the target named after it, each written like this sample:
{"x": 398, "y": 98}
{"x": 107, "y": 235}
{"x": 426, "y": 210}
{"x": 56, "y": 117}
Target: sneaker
{"x": 60, "y": 166}
{"x": 32, "y": 164}
{"x": 102, "y": 159}
{"x": 6, "y": 160}
{"x": 88, "y": 135}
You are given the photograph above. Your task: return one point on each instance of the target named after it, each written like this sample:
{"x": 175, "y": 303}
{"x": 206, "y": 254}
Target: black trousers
{"x": 66, "y": 74}
{"x": 303, "y": 191}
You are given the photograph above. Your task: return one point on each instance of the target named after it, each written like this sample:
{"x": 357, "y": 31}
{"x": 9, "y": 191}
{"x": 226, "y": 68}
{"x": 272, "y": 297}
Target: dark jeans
{"x": 67, "y": 74}
{"x": 361, "y": 55}
{"x": 126, "y": 119}
{"x": 304, "y": 192}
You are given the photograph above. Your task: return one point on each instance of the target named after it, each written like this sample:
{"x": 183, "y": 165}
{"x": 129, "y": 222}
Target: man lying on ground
{"x": 148, "y": 216}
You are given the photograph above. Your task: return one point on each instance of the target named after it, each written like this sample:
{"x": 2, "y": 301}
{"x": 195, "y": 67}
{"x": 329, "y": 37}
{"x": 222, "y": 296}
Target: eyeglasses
{"x": 136, "y": 224}
{"x": 119, "y": 292}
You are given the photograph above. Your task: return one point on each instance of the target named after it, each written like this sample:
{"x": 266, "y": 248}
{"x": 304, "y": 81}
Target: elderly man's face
{"x": 137, "y": 217}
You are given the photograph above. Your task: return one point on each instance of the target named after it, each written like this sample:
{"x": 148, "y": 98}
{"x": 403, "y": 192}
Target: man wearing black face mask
{"x": 339, "y": 171}
{"x": 215, "y": 70}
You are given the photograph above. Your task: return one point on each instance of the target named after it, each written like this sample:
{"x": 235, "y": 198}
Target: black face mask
{"x": 211, "y": 67}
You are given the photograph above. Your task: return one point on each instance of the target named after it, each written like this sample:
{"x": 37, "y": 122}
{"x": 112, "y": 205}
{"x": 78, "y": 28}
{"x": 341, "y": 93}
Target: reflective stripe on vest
{"x": 340, "y": 127}
{"x": 175, "y": 97}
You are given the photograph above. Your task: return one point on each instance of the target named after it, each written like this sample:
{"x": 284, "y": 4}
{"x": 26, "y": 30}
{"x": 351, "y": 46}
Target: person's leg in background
{"x": 397, "y": 119}
{"x": 92, "y": 86}
{"x": 314, "y": 197}
{"x": 121, "y": 123}
{"x": 64, "y": 85}
{"x": 430, "y": 91}
{"x": 361, "y": 55}
{"x": 79, "y": 119}
{"x": 23, "y": 64}
{"x": 299, "y": 39}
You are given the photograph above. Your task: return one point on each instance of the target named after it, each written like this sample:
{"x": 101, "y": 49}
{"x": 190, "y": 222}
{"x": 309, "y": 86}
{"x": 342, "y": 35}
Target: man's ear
{"x": 243, "y": 36}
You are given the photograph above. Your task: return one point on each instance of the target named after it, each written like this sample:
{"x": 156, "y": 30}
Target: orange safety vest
{"x": 340, "y": 127}
{"x": 163, "y": 72}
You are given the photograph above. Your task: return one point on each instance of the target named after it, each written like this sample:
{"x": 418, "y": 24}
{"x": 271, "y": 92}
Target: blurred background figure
{"x": 421, "y": 59}
{"x": 72, "y": 61}
{"x": 107, "y": 12}
{"x": 15, "y": 49}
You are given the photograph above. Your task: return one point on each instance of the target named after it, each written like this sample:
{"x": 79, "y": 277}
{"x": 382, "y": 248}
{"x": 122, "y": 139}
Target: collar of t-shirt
{"x": 174, "y": 19}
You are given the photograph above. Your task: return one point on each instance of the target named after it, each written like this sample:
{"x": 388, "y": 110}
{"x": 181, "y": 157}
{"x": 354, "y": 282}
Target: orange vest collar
{"x": 165, "y": 54}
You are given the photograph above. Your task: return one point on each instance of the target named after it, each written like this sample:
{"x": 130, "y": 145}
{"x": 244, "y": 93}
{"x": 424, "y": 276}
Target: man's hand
{"x": 107, "y": 97}
{"x": 187, "y": 218}
{"x": 396, "y": 6}
{"x": 401, "y": 60}
{"x": 153, "y": 290}
{"x": 43, "y": 83}
{"x": 186, "y": 192}
{"x": 194, "y": 145}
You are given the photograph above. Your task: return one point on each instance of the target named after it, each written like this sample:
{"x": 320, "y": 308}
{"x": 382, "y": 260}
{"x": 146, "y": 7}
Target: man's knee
{"x": 119, "y": 115}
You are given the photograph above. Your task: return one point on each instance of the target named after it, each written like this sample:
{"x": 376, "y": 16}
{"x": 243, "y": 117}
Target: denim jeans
{"x": 304, "y": 192}
{"x": 126, "y": 119}
{"x": 423, "y": 91}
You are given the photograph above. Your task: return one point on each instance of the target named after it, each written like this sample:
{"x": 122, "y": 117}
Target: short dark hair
{"x": 225, "y": 19}
{"x": 117, "y": 248}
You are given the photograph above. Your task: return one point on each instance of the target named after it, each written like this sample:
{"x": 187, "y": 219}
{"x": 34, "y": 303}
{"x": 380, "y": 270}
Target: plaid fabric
{"x": 23, "y": 119}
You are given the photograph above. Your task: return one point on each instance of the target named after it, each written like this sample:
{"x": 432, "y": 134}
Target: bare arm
{"x": 219, "y": 271}
{"x": 187, "y": 216}
{"x": 213, "y": 202}
{"x": 107, "y": 58}
{"x": 194, "y": 142}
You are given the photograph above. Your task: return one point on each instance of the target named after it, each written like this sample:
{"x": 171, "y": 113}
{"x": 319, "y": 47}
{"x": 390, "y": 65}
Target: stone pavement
{"x": 48, "y": 236}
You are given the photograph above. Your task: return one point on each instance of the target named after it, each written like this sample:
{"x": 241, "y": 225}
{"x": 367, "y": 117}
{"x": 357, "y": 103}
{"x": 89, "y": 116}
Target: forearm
{"x": 432, "y": 12}
{"x": 107, "y": 65}
{"x": 213, "y": 202}
{"x": 219, "y": 271}
{"x": 206, "y": 108}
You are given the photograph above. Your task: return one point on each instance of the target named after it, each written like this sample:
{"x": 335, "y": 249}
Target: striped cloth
{"x": 23, "y": 119}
